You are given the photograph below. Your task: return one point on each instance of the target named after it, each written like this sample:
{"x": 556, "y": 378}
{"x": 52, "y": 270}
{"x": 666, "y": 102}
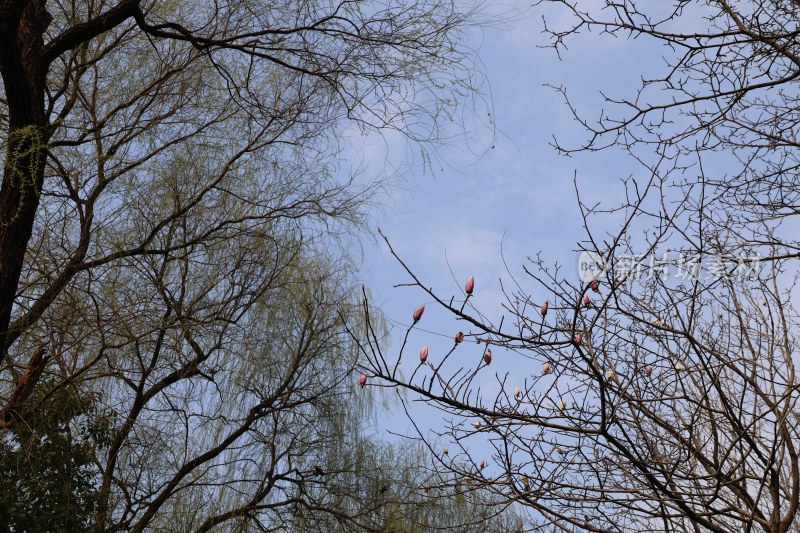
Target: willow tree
{"x": 655, "y": 388}
{"x": 390, "y": 485}
{"x": 175, "y": 228}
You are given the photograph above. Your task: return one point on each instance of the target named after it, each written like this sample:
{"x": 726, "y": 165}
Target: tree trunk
{"x": 21, "y": 45}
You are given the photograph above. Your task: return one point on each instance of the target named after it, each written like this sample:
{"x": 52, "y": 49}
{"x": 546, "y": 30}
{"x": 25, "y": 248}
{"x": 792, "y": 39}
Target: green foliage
{"x": 25, "y": 152}
{"x": 45, "y": 465}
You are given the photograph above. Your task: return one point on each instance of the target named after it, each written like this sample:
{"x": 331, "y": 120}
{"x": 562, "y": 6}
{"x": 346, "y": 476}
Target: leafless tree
{"x": 660, "y": 393}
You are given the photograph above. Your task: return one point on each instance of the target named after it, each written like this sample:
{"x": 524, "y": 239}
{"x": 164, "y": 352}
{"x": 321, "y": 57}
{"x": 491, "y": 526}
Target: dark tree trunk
{"x": 21, "y": 46}
{"x": 22, "y": 27}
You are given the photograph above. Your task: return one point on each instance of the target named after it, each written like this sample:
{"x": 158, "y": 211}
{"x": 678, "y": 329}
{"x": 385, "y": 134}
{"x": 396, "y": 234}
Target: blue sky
{"x": 483, "y": 205}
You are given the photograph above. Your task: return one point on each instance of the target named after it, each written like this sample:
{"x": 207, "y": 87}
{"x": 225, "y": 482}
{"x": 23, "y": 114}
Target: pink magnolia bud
{"x": 487, "y": 357}
{"x": 423, "y": 354}
{"x": 578, "y": 338}
{"x": 459, "y": 337}
{"x": 586, "y": 300}
{"x": 595, "y": 286}
{"x": 545, "y": 305}
{"x": 547, "y": 368}
{"x": 482, "y": 465}
{"x": 362, "y": 380}
{"x": 418, "y": 313}
{"x": 649, "y": 371}
{"x": 470, "y": 286}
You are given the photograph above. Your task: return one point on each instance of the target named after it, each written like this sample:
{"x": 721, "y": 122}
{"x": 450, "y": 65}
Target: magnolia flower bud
{"x": 459, "y": 337}
{"x": 648, "y": 371}
{"x": 487, "y": 357}
{"x": 362, "y": 380}
{"x": 559, "y": 450}
{"x": 423, "y": 354}
{"x": 545, "y": 305}
{"x": 418, "y": 313}
{"x": 476, "y": 425}
{"x": 595, "y": 286}
{"x": 470, "y": 286}
{"x": 446, "y": 451}
{"x": 562, "y": 405}
{"x": 482, "y": 465}
{"x": 609, "y": 374}
{"x": 517, "y": 392}
{"x": 525, "y": 482}
{"x": 578, "y": 338}
{"x": 586, "y": 300}
{"x": 675, "y": 313}
{"x": 547, "y": 367}
{"x": 679, "y": 367}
